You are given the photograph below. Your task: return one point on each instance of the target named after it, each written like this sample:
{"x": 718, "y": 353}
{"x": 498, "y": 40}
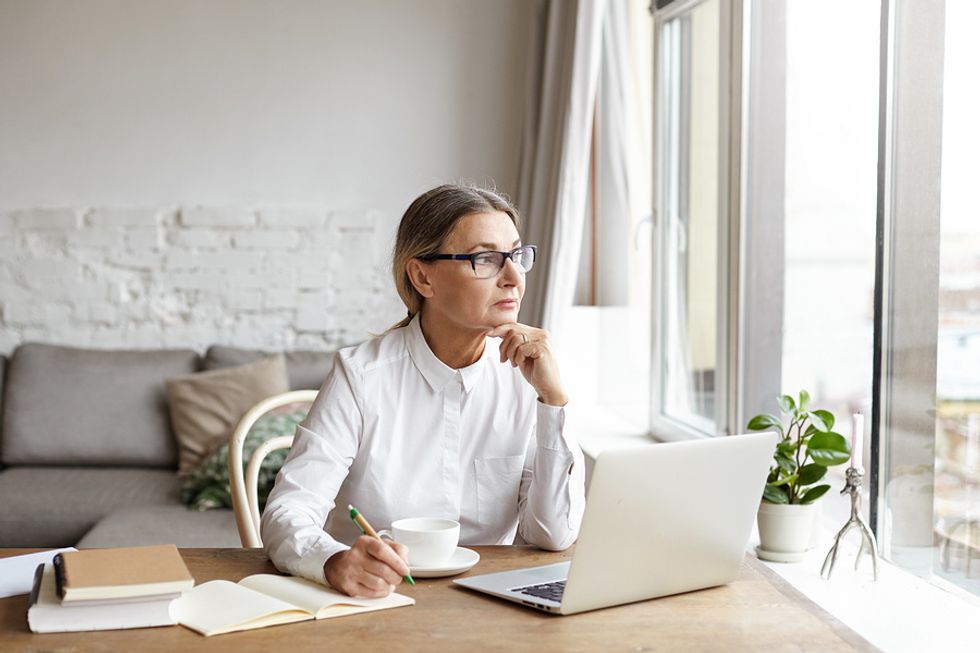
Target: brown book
{"x": 121, "y": 573}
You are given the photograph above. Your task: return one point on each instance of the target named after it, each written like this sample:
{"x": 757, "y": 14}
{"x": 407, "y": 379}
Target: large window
{"x": 957, "y": 464}
{"x": 815, "y": 181}
{"x": 930, "y": 305}
{"x": 810, "y": 155}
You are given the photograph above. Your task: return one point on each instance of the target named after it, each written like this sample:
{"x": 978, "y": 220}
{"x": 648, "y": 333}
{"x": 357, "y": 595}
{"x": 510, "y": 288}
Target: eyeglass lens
{"x": 489, "y": 264}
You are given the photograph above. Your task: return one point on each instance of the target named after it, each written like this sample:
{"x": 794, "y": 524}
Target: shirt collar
{"x": 436, "y": 373}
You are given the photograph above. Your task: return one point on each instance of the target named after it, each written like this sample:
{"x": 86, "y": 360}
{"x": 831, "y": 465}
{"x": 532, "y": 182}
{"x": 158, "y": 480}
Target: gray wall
{"x": 242, "y": 106}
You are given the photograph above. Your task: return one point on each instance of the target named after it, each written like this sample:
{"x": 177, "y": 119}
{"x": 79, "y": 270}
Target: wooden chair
{"x": 244, "y": 485}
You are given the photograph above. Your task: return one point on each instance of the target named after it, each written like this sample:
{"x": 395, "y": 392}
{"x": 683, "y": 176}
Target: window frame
{"x": 727, "y": 404}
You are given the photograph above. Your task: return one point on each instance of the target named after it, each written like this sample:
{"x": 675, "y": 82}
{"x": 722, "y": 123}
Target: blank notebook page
{"x": 313, "y": 597}
{"x": 220, "y": 606}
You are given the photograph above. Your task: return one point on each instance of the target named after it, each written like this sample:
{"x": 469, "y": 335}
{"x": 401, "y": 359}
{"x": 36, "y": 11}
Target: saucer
{"x": 779, "y": 556}
{"x": 462, "y": 560}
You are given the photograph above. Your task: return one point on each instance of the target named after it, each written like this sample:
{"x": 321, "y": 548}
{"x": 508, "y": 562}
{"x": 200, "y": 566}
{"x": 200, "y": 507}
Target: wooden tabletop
{"x": 759, "y": 611}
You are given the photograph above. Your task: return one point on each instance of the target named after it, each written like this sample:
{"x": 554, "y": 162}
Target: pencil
{"x": 370, "y": 532}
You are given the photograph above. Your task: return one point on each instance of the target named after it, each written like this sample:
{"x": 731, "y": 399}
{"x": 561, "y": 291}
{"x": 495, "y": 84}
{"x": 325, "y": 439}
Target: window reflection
{"x": 690, "y": 194}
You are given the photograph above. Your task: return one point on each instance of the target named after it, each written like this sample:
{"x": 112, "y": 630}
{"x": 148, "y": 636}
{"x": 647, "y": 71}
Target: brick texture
{"x": 273, "y": 278}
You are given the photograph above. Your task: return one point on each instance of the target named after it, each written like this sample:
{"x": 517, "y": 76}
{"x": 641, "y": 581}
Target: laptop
{"x": 660, "y": 519}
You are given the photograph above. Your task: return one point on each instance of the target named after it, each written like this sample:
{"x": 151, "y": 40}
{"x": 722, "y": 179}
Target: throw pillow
{"x": 205, "y": 407}
{"x": 208, "y": 486}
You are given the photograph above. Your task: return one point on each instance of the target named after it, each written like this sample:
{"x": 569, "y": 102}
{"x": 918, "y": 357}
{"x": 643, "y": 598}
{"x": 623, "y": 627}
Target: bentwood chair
{"x": 244, "y": 485}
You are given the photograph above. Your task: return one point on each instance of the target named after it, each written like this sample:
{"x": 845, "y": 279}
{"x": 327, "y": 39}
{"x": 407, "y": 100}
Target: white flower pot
{"x": 784, "y": 530}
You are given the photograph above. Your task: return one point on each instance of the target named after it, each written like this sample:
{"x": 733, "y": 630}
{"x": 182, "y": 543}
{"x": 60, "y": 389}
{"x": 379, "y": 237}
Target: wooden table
{"x": 758, "y": 612}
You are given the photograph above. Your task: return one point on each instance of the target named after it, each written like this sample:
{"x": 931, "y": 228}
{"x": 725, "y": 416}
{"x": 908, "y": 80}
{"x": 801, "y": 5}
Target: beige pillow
{"x": 205, "y": 407}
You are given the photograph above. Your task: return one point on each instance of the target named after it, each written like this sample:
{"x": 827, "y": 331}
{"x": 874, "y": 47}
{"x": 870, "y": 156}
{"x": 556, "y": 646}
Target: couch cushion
{"x": 307, "y": 369}
{"x": 205, "y": 407}
{"x": 164, "y": 525}
{"x": 55, "y": 506}
{"x": 67, "y": 406}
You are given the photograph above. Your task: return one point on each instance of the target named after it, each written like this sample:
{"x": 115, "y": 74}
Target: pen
{"x": 367, "y": 530}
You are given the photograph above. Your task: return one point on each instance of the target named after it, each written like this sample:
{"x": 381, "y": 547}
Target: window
{"x": 929, "y": 422}
{"x": 817, "y": 229}
{"x": 691, "y": 275}
{"x": 809, "y": 200}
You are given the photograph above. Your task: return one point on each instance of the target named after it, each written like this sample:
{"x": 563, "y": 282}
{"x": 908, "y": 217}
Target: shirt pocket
{"x": 498, "y": 484}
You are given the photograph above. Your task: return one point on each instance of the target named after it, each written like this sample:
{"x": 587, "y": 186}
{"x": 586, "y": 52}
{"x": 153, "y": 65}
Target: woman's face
{"x": 457, "y": 294}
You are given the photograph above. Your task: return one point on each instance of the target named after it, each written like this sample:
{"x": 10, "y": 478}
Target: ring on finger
{"x": 525, "y": 338}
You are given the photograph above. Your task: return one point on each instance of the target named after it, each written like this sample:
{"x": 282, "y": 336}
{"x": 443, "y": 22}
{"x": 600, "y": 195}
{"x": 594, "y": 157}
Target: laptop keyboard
{"x": 552, "y": 591}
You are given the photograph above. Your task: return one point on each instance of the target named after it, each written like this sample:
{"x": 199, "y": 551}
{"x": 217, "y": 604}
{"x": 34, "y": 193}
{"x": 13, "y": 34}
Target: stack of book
{"x": 107, "y": 589}
{"x": 139, "y": 587}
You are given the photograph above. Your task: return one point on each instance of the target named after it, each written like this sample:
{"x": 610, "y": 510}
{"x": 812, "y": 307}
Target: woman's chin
{"x": 503, "y": 315}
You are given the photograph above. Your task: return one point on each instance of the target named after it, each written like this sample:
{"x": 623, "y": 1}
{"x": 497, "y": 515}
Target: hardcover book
{"x": 121, "y": 573}
{"x": 47, "y": 614}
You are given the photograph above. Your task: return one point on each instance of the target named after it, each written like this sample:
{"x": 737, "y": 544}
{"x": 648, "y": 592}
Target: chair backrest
{"x": 244, "y": 483}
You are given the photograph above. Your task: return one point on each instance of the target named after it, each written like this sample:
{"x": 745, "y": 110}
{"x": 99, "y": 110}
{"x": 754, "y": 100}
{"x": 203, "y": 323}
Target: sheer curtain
{"x": 566, "y": 49}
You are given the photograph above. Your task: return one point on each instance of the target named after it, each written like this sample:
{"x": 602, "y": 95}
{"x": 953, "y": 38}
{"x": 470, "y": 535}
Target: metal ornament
{"x": 852, "y": 485}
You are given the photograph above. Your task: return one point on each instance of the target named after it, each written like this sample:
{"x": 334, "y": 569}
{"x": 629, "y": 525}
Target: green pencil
{"x": 367, "y": 530}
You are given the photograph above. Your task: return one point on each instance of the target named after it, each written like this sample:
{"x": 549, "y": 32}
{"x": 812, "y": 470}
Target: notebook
{"x": 121, "y": 573}
{"x": 47, "y": 614}
{"x": 261, "y": 600}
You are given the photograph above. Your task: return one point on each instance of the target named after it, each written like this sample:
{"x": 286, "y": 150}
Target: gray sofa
{"x": 87, "y": 454}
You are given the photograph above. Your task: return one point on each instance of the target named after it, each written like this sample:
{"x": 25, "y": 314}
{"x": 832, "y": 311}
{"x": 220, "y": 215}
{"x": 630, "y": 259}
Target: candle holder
{"x": 852, "y": 485}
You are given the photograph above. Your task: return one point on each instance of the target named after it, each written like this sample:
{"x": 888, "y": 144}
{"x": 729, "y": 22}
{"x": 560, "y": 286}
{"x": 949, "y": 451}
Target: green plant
{"x": 807, "y": 447}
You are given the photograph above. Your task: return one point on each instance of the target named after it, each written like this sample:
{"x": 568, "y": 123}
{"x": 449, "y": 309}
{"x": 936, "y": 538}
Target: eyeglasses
{"x": 489, "y": 264}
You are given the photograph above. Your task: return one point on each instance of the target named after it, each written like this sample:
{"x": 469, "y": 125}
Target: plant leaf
{"x": 786, "y": 463}
{"x": 775, "y": 495}
{"x": 817, "y": 421}
{"x": 829, "y": 449}
{"x": 786, "y": 404}
{"x": 814, "y": 493}
{"x": 827, "y": 417}
{"x": 804, "y": 399}
{"x": 787, "y": 448}
{"x": 783, "y": 481}
{"x": 810, "y": 474}
{"x": 764, "y": 422}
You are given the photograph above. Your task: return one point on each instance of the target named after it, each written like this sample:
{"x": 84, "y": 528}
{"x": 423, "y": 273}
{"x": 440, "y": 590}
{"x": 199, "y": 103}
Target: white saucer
{"x": 462, "y": 560}
{"x": 779, "y": 556}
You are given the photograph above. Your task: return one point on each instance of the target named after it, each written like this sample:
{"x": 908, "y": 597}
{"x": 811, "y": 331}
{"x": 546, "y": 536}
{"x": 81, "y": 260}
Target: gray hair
{"x": 426, "y": 225}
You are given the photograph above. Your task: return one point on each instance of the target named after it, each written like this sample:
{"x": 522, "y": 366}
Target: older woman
{"x": 455, "y": 412}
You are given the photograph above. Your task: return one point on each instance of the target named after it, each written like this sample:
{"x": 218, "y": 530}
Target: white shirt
{"x": 397, "y": 433}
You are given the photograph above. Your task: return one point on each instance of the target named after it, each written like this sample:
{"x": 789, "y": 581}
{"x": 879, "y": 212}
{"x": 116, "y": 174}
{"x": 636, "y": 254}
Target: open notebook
{"x": 261, "y": 600}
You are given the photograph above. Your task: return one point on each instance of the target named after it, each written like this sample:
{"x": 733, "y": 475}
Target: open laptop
{"x": 660, "y": 519}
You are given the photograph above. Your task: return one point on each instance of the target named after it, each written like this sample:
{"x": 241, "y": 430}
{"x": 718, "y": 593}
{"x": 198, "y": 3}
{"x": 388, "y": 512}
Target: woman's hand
{"x": 371, "y": 568}
{"x": 530, "y": 349}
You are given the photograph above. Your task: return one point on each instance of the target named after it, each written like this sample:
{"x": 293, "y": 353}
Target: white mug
{"x": 431, "y": 542}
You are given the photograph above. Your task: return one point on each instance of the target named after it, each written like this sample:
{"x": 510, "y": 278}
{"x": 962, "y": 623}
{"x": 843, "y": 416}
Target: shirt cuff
{"x": 550, "y": 432}
{"x": 311, "y": 564}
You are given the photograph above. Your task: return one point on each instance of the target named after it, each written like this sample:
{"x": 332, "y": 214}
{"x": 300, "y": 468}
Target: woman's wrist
{"x": 558, "y": 399}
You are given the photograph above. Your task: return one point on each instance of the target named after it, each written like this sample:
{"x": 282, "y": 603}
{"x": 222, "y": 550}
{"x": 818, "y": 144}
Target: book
{"x": 261, "y": 600}
{"x": 17, "y": 572}
{"x": 121, "y": 573}
{"x": 47, "y": 614}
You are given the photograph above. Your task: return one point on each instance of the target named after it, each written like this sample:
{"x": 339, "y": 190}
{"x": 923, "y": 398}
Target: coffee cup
{"x": 430, "y": 541}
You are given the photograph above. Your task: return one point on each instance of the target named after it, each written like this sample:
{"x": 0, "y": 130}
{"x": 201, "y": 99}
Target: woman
{"x": 455, "y": 412}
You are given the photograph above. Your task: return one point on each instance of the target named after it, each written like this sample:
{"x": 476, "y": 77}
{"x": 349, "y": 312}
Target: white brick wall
{"x": 275, "y": 278}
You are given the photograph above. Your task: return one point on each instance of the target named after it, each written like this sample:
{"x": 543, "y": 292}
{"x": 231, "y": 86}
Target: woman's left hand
{"x": 530, "y": 349}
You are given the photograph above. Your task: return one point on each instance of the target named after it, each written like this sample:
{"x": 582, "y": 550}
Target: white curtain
{"x": 565, "y": 56}
{"x": 580, "y": 59}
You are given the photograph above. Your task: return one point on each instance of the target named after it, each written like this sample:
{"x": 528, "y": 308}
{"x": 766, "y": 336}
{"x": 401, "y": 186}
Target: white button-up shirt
{"x": 397, "y": 433}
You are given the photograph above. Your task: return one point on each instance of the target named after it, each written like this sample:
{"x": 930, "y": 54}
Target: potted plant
{"x": 807, "y": 447}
